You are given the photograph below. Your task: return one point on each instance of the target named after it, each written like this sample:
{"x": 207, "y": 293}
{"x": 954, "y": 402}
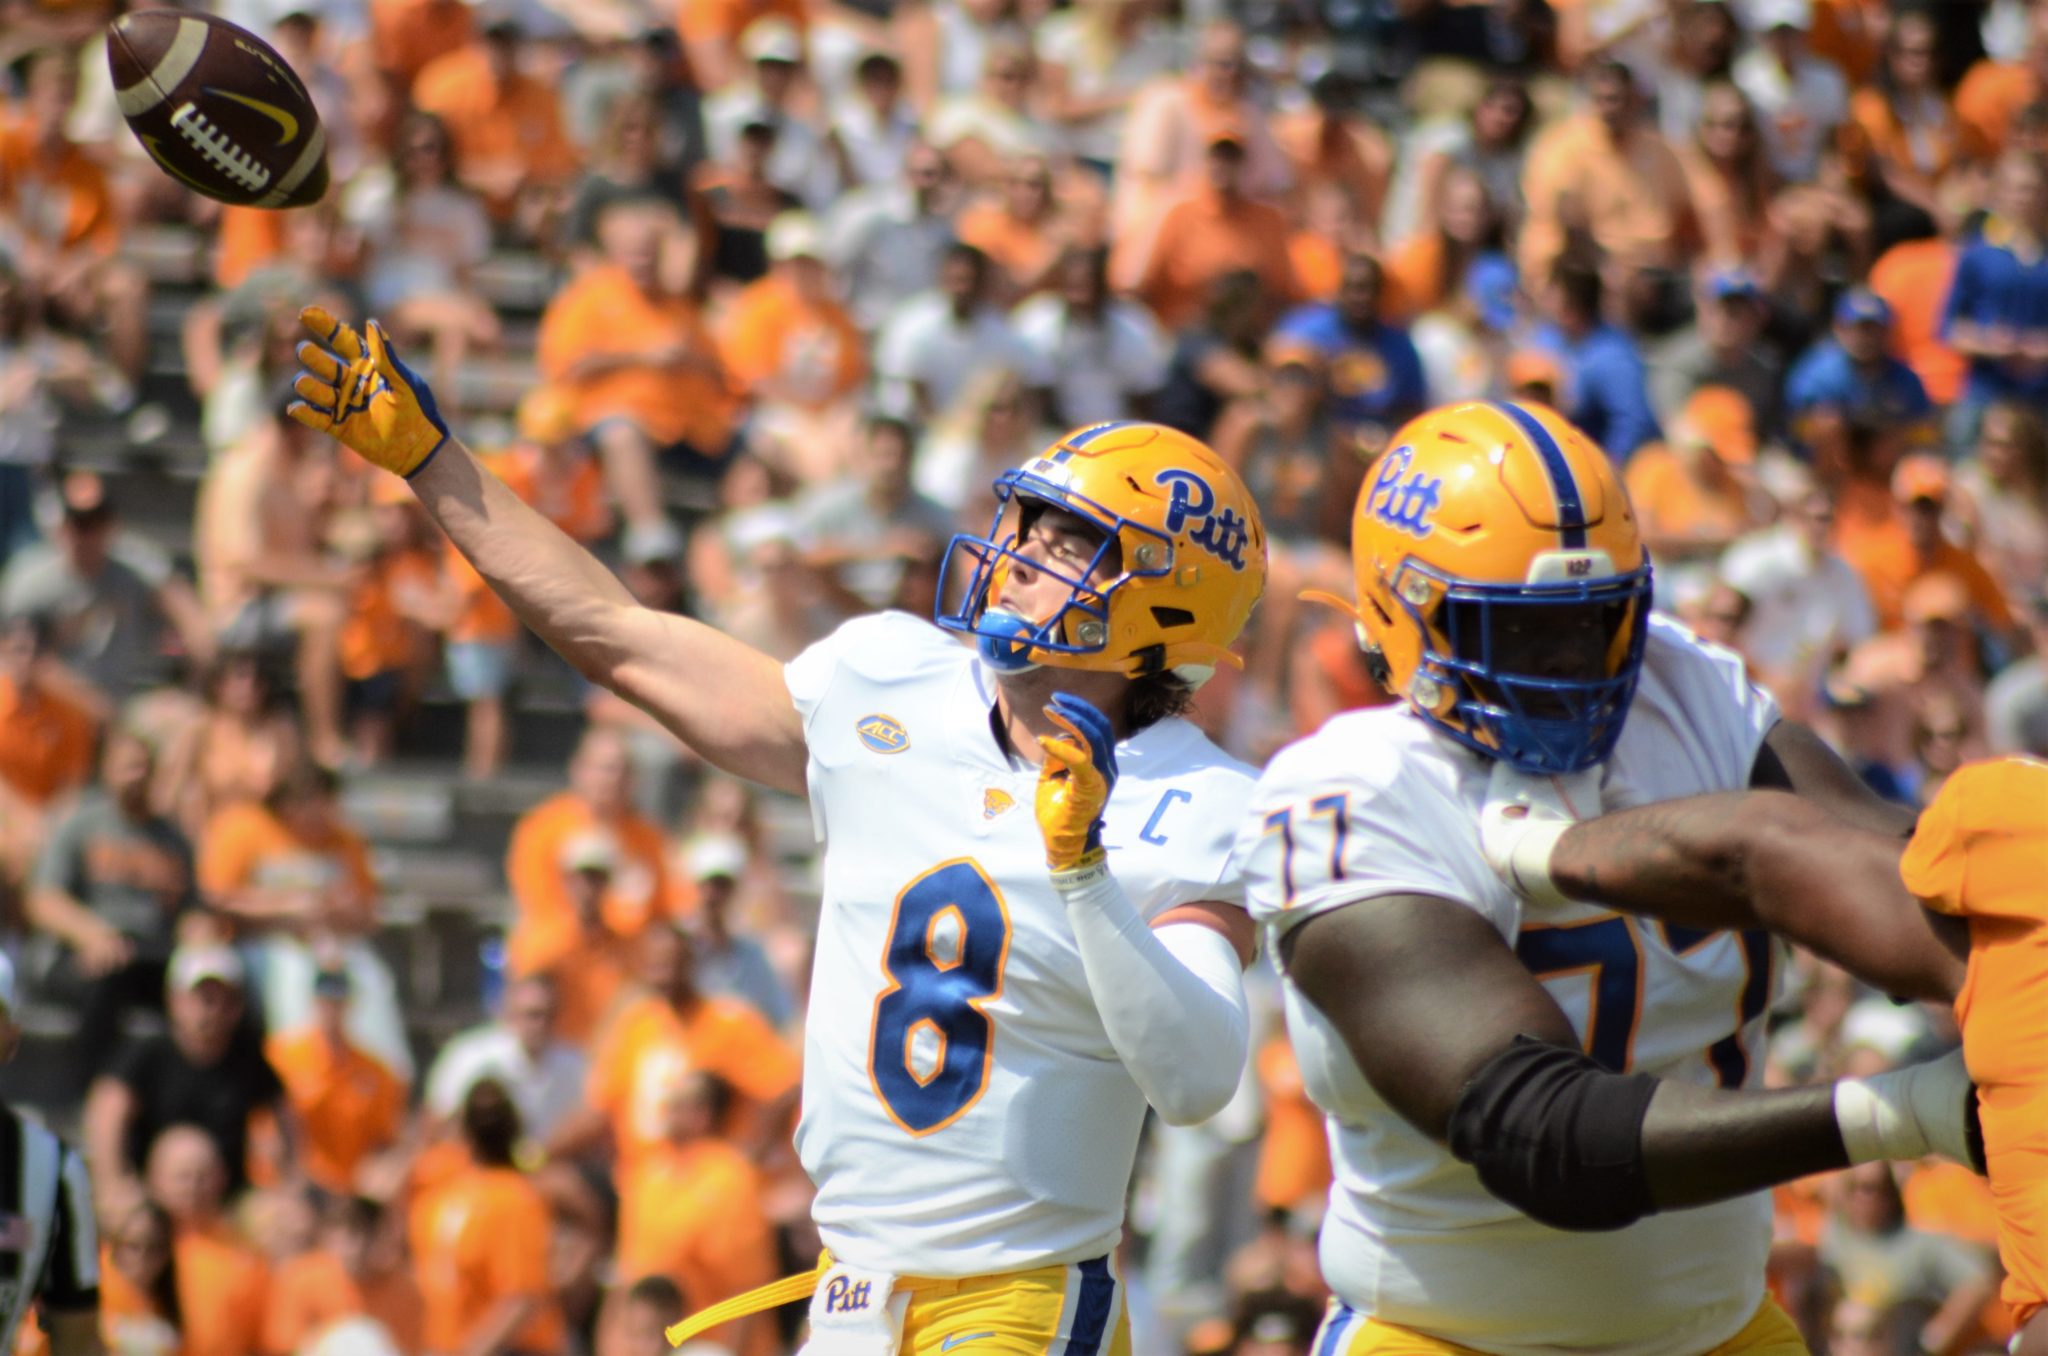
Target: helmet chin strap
{"x": 1009, "y": 652}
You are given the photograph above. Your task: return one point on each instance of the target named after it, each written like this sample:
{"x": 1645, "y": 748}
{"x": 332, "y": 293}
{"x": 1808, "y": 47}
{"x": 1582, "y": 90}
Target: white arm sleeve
{"x": 1172, "y": 1001}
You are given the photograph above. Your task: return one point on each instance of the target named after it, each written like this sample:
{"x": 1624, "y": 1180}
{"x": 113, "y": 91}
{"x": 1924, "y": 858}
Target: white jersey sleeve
{"x": 1368, "y": 807}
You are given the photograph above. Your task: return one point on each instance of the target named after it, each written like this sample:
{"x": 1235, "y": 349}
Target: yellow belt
{"x": 773, "y": 1295}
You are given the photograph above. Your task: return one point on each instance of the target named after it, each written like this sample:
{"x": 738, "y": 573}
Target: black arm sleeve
{"x": 1557, "y": 1136}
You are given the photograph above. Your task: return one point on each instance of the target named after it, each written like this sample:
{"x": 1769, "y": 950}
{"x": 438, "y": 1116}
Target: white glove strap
{"x": 1907, "y": 1113}
{"x": 1172, "y": 1001}
{"x": 1528, "y": 861}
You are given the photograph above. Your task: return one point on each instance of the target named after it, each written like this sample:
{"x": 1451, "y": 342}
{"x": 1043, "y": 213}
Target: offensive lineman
{"x": 992, "y": 1007}
{"x": 1486, "y": 1064}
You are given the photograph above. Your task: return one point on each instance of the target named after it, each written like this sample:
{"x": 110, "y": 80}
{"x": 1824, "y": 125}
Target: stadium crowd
{"x": 754, "y": 297}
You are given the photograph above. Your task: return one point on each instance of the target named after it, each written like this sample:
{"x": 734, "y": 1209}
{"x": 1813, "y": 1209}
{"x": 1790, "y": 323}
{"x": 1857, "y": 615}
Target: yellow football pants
{"x": 1346, "y": 1332}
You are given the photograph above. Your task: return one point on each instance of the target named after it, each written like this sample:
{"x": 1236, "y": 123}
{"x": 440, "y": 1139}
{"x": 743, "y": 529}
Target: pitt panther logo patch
{"x": 882, "y": 734}
{"x": 844, "y": 1296}
{"x": 1223, "y": 534}
{"x": 995, "y": 800}
{"x": 1404, "y": 504}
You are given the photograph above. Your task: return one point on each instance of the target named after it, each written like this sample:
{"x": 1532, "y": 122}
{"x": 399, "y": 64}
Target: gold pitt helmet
{"x": 1189, "y": 553}
{"x": 1503, "y": 587}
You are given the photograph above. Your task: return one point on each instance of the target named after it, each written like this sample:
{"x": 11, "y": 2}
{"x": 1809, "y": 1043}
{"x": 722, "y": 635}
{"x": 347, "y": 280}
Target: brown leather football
{"x": 217, "y": 109}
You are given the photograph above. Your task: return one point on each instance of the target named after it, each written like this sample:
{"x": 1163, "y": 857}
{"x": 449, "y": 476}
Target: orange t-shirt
{"x": 1294, "y": 1158}
{"x": 246, "y": 237}
{"x": 546, "y": 918}
{"x": 693, "y": 1213}
{"x": 223, "y": 1290}
{"x": 815, "y": 349}
{"x": 517, "y": 122}
{"x": 574, "y": 502}
{"x": 725, "y": 20}
{"x": 245, "y": 846}
{"x": 1885, "y": 135}
{"x": 376, "y": 637}
{"x": 481, "y": 616}
{"x": 312, "y": 1292}
{"x": 603, "y": 312}
{"x": 1671, "y": 503}
{"x": 480, "y": 1238}
{"x": 348, "y": 1104}
{"x": 65, "y": 200}
{"x": 1022, "y": 251}
{"x": 649, "y": 1046}
{"x": 129, "y": 1319}
{"x": 1318, "y": 266}
{"x": 406, "y": 35}
{"x": 1980, "y": 852}
{"x": 1201, "y": 239}
{"x": 1882, "y": 553}
{"x": 47, "y": 745}
{"x": 1914, "y": 278}
{"x": 1989, "y": 97}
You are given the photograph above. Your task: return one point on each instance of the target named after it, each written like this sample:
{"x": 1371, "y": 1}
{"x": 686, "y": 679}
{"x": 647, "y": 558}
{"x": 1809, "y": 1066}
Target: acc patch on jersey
{"x": 882, "y": 734}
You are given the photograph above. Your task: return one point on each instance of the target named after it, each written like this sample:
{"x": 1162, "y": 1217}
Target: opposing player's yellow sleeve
{"x": 1981, "y": 847}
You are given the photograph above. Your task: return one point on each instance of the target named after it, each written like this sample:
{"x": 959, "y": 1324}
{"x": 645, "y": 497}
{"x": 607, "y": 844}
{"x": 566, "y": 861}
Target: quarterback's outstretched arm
{"x": 1452, "y": 1030}
{"x": 725, "y": 699}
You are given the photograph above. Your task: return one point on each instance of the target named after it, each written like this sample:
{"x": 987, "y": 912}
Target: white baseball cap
{"x": 6, "y": 984}
{"x": 195, "y": 963}
{"x": 1765, "y": 15}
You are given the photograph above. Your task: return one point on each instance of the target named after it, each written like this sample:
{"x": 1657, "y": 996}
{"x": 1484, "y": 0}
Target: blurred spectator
{"x": 1728, "y": 173}
{"x": 505, "y": 123}
{"x": 595, "y": 815}
{"x": 1429, "y": 269}
{"x": 729, "y": 963}
{"x": 1908, "y": 128}
{"x": 111, "y": 883}
{"x": 690, "y": 1209}
{"x": 223, "y": 1284}
{"x": 1210, "y": 231}
{"x": 1991, "y": 96}
{"x": 1274, "y": 1323}
{"x": 886, "y": 241}
{"x": 1021, "y": 226}
{"x": 1914, "y": 277}
{"x": 742, "y": 201}
{"x": 406, "y": 36}
{"x": 1809, "y": 606}
{"x": 1696, "y": 492}
{"x": 1294, "y": 1155}
{"x": 714, "y": 32}
{"x": 48, "y": 751}
{"x": 1097, "y": 55}
{"x": 550, "y": 466}
{"x": 2016, "y": 702}
{"x": 626, "y": 166}
{"x": 1174, "y": 122}
{"x": 1491, "y": 142}
{"x": 140, "y": 1312}
{"x": 425, "y": 233}
{"x": 289, "y": 861}
{"x": 239, "y": 747}
{"x": 354, "y": 1272}
{"x": 945, "y": 45}
{"x": 347, "y": 1105}
{"x": 1330, "y": 145}
{"x": 993, "y": 426}
{"x": 1106, "y": 354}
{"x": 522, "y": 1051}
{"x": 2001, "y": 496}
{"x": 36, "y": 367}
{"x": 1854, "y": 372}
{"x": 1216, "y": 360}
{"x": 401, "y": 598}
{"x": 241, "y": 347}
{"x": 263, "y": 576}
{"x": 984, "y": 130}
{"x": 1607, "y": 172}
{"x": 873, "y": 127}
{"x": 631, "y": 347}
{"x": 862, "y": 531}
{"x": 791, "y": 347}
{"x": 110, "y": 597}
{"x": 480, "y": 1244}
{"x": 1800, "y": 99}
{"x": 1375, "y": 375}
{"x": 1914, "y": 546}
{"x": 1997, "y": 313}
{"x": 1895, "y": 1271}
{"x": 800, "y": 163}
{"x": 207, "y": 1071}
{"x": 935, "y": 342}
{"x": 1705, "y": 40}
{"x": 1603, "y": 387}
{"x": 1922, "y": 678}
{"x": 636, "y": 1322}
{"x": 59, "y": 226}
{"x": 1727, "y": 347}
{"x": 672, "y": 1030}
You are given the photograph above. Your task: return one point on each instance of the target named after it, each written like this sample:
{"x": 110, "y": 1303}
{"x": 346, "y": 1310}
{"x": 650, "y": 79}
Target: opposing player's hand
{"x": 361, "y": 393}
{"x": 1074, "y": 783}
{"x": 1524, "y": 816}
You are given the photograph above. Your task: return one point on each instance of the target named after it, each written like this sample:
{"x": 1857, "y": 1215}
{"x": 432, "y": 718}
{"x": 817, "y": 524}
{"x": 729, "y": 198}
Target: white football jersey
{"x": 963, "y": 1110}
{"x": 1379, "y": 803}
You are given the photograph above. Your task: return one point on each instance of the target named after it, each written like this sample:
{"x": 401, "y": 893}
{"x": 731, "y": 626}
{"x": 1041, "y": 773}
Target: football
{"x": 217, "y": 108}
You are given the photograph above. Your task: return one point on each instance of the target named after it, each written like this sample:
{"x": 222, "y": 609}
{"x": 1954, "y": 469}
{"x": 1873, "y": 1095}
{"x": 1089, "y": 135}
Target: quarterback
{"x": 1974, "y": 875}
{"x": 1521, "y": 1094}
{"x": 1031, "y": 925}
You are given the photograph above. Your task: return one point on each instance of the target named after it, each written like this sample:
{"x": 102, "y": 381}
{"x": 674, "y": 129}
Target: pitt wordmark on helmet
{"x": 1503, "y": 587}
{"x": 1182, "y": 532}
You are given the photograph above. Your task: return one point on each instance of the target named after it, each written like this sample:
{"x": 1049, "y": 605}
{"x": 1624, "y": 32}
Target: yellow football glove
{"x": 1074, "y": 783}
{"x": 365, "y": 396}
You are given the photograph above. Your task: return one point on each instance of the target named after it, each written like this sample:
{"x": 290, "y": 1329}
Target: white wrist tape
{"x": 1172, "y": 1001}
{"x": 1528, "y": 861}
{"x": 1907, "y": 1113}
